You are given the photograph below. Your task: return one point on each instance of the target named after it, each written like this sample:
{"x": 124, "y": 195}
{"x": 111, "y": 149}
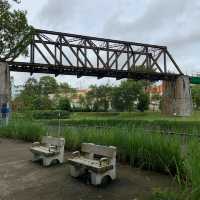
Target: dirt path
{"x": 20, "y": 179}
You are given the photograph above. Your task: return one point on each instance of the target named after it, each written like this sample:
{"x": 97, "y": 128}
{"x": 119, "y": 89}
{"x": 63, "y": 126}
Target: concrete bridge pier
{"x": 5, "y": 88}
{"x": 177, "y": 99}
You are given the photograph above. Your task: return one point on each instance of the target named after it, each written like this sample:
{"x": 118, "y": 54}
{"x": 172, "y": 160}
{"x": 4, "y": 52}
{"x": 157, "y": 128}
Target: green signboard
{"x": 195, "y": 80}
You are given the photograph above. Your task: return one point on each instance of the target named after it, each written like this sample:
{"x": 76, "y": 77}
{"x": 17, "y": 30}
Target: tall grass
{"x": 152, "y": 152}
{"x": 24, "y": 130}
{"x": 189, "y": 127}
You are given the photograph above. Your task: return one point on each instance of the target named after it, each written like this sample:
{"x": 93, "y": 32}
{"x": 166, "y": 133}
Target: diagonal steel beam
{"x": 47, "y": 48}
{"x": 40, "y": 52}
{"x": 173, "y": 61}
{"x": 98, "y": 56}
{"x": 73, "y": 51}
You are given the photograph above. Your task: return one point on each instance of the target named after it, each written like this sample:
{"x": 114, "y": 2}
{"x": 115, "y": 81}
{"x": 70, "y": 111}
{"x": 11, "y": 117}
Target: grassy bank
{"x": 155, "y": 152}
{"x": 189, "y": 127}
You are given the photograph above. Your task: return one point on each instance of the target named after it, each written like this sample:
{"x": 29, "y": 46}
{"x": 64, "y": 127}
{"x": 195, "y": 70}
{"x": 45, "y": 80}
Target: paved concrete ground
{"x": 20, "y": 179}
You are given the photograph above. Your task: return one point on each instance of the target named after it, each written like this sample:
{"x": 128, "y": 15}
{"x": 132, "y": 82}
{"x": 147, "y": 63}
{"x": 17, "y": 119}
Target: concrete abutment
{"x": 177, "y": 99}
{"x": 5, "y": 86}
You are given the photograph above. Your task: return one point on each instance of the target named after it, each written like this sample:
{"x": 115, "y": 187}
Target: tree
{"x": 15, "y": 33}
{"x": 143, "y": 102}
{"x": 99, "y": 97}
{"x": 82, "y": 102}
{"x": 64, "y": 104}
{"x": 196, "y": 96}
{"x": 125, "y": 96}
{"x": 31, "y": 98}
{"x": 32, "y": 87}
{"x": 155, "y": 97}
{"x": 42, "y": 103}
{"x": 65, "y": 88}
{"x": 48, "y": 85}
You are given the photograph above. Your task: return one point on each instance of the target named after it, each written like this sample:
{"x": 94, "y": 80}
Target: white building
{"x": 15, "y": 89}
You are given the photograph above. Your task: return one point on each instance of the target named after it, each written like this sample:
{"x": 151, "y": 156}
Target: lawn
{"x": 151, "y": 116}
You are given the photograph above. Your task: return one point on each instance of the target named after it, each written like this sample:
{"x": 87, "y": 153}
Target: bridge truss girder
{"x": 71, "y": 54}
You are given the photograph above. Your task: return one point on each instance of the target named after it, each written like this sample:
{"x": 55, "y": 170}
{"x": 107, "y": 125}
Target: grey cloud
{"x": 55, "y": 13}
{"x": 172, "y": 23}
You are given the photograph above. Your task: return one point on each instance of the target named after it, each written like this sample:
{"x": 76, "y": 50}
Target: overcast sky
{"x": 174, "y": 23}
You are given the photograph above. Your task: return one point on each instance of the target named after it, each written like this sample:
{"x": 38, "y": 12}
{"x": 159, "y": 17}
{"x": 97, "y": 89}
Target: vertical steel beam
{"x": 165, "y": 62}
{"x": 60, "y": 48}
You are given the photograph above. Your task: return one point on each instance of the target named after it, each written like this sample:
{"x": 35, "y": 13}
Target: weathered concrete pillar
{"x": 177, "y": 98}
{"x": 5, "y": 89}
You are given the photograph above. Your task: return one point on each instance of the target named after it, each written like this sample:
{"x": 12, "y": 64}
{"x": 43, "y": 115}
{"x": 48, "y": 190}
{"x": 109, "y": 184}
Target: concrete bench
{"x": 50, "y": 149}
{"x": 99, "y": 161}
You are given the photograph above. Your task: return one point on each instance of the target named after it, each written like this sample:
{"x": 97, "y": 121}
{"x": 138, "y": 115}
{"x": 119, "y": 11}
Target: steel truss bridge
{"x": 70, "y": 54}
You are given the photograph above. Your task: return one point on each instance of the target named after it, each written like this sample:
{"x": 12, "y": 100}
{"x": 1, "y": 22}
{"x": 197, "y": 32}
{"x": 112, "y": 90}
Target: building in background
{"x": 155, "y": 93}
{"x": 74, "y": 97}
{"x": 15, "y": 89}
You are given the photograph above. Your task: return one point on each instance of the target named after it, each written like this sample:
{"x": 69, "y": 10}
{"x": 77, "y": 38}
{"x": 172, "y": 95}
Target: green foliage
{"x": 125, "y": 96}
{"x": 156, "y": 97}
{"x": 98, "y": 98}
{"x": 48, "y": 85}
{"x": 64, "y": 104}
{"x": 152, "y": 152}
{"x": 196, "y": 96}
{"x": 23, "y": 129}
{"x": 164, "y": 195}
{"x": 112, "y": 120}
{"x": 66, "y": 89}
{"x": 192, "y": 166}
{"x": 42, "y": 103}
{"x": 50, "y": 114}
{"x": 143, "y": 102}
{"x": 35, "y": 94}
{"x": 15, "y": 33}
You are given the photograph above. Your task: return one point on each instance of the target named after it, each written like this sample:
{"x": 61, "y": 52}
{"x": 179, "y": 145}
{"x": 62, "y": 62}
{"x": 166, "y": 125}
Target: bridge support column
{"x": 177, "y": 98}
{"x": 5, "y": 88}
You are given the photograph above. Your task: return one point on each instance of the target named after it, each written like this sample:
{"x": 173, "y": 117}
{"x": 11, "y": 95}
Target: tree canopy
{"x": 125, "y": 96}
{"x": 14, "y": 31}
{"x": 46, "y": 93}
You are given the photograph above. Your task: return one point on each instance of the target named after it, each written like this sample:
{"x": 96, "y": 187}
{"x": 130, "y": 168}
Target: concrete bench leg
{"x": 60, "y": 158}
{"x": 35, "y": 158}
{"x": 76, "y": 171}
{"x": 96, "y": 179}
{"x": 47, "y": 161}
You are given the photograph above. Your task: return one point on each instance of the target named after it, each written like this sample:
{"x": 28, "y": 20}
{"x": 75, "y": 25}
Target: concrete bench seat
{"x": 97, "y": 160}
{"x": 93, "y": 165}
{"x": 43, "y": 150}
{"x": 50, "y": 149}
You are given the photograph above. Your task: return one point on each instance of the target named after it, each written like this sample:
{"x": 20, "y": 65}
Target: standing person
{"x": 5, "y": 113}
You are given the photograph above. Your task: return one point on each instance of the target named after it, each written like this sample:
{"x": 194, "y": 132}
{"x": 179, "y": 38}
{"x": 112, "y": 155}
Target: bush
{"x": 143, "y": 102}
{"x": 64, "y": 104}
{"x": 24, "y": 130}
{"x": 51, "y": 114}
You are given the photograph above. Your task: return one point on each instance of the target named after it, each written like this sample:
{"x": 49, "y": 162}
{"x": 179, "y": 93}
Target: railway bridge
{"x": 60, "y": 53}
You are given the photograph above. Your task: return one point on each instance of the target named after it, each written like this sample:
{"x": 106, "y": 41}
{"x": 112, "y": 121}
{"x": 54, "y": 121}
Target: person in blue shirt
{"x": 5, "y": 113}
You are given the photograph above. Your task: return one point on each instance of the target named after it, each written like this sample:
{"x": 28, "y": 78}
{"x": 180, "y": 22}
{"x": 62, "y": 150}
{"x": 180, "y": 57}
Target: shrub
{"x": 64, "y": 104}
{"x": 51, "y": 114}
